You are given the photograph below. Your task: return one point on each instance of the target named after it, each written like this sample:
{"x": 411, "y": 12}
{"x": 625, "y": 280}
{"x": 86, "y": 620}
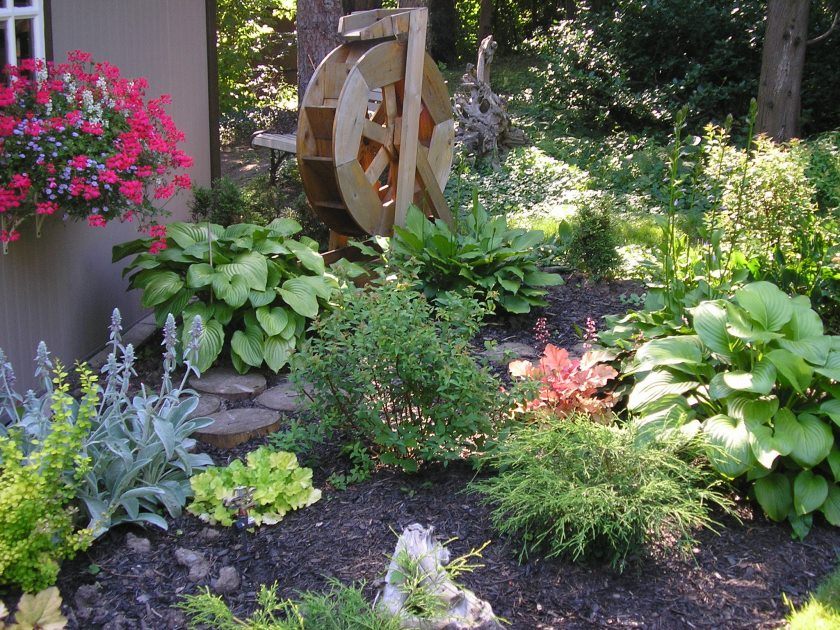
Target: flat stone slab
{"x": 282, "y": 397}
{"x": 234, "y": 426}
{"x": 509, "y": 351}
{"x": 229, "y": 384}
{"x": 207, "y": 404}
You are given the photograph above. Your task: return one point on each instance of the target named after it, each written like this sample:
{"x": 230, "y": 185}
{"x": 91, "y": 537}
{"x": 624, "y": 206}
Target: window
{"x": 21, "y": 30}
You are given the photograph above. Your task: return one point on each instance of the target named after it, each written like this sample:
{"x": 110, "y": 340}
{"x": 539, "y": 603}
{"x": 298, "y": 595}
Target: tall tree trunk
{"x": 782, "y": 63}
{"x": 317, "y": 35}
{"x": 485, "y": 19}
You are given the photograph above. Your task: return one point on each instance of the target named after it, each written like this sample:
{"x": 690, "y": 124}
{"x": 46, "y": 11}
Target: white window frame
{"x": 10, "y": 14}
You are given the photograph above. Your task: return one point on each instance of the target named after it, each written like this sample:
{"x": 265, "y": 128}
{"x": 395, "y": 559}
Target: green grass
{"x": 822, "y": 611}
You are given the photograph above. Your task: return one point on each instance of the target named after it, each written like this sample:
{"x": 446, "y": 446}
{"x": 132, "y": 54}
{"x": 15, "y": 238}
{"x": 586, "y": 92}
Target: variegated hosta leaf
{"x": 728, "y": 445}
{"x": 657, "y": 384}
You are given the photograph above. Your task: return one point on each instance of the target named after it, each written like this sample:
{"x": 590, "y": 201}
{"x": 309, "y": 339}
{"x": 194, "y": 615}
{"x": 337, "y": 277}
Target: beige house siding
{"x": 62, "y": 287}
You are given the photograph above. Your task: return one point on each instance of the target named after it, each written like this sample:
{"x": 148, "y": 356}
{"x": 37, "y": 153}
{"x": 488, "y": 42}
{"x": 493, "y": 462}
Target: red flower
{"x": 96, "y": 220}
{"x": 46, "y": 207}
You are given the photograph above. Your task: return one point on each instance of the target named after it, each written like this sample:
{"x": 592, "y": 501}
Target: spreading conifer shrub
{"x": 571, "y": 487}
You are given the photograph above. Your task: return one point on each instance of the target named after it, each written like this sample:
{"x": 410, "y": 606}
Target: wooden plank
{"x": 279, "y": 142}
{"x": 375, "y": 132}
{"x": 362, "y": 19}
{"x": 320, "y": 179}
{"x": 383, "y": 64}
{"x": 321, "y": 120}
{"x": 435, "y": 94}
{"x": 414, "y": 60}
{"x": 377, "y": 165}
{"x": 348, "y": 126}
{"x": 440, "y": 151}
{"x": 430, "y": 184}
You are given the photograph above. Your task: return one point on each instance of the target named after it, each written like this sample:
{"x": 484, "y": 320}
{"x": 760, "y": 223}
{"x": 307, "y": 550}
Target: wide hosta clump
{"x": 484, "y": 256}
{"x": 254, "y": 287}
{"x": 575, "y": 488}
{"x": 759, "y": 379}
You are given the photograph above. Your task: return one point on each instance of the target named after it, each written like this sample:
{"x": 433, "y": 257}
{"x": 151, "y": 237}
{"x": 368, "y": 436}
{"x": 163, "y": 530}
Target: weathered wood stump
{"x": 461, "y": 608}
{"x": 235, "y": 426}
{"x": 484, "y": 126}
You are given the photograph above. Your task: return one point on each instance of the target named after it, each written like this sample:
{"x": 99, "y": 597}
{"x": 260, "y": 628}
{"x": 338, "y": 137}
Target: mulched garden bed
{"x": 734, "y": 579}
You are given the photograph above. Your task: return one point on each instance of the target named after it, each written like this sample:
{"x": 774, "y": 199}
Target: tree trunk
{"x": 485, "y": 19}
{"x": 782, "y": 63}
{"x": 317, "y": 35}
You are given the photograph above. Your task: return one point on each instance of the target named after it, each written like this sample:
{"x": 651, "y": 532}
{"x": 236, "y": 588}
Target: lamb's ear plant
{"x": 485, "y": 256}
{"x": 254, "y": 287}
{"x": 759, "y": 380}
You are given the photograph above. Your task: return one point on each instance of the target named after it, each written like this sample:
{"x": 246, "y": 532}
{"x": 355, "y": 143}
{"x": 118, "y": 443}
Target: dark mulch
{"x": 732, "y": 580}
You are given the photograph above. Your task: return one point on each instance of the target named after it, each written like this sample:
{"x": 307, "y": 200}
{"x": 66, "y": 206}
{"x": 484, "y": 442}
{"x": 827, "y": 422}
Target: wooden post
{"x": 415, "y": 56}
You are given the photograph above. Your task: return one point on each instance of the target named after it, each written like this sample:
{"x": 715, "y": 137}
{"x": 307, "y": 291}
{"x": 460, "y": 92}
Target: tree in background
{"x": 783, "y": 65}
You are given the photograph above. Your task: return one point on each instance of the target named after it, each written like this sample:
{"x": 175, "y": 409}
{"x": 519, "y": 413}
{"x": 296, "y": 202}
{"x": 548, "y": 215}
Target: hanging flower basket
{"x": 79, "y": 141}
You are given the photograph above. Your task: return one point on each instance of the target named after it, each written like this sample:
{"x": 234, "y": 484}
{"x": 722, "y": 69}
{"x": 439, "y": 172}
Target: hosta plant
{"x": 759, "y": 379}
{"x": 564, "y": 384}
{"x": 277, "y": 483}
{"x": 135, "y": 443}
{"x": 254, "y": 287}
{"x": 485, "y": 255}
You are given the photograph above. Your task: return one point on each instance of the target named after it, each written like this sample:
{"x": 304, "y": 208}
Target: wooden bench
{"x": 281, "y": 146}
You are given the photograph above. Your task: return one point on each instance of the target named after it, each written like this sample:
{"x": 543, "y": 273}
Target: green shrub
{"x": 573, "y": 487}
{"x": 762, "y": 377}
{"x": 388, "y": 371}
{"x": 594, "y": 240}
{"x": 276, "y": 482}
{"x": 255, "y": 288}
{"x": 822, "y": 610}
{"x": 340, "y": 608}
{"x": 823, "y": 170}
{"x": 486, "y": 257}
{"x": 39, "y": 480}
{"x": 222, "y": 203}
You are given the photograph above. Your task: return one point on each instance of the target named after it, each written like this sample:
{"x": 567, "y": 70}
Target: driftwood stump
{"x": 461, "y": 609}
{"x": 484, "y": 126}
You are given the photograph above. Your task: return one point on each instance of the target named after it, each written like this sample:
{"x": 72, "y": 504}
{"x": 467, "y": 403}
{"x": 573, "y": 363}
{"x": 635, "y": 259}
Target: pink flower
{"x": 96, "y": 220}
{"x": 7, "y": 125}
{"x": 46, "y": 207}
{"x": 79, "y": 162}
{"x": 133, "y": 190}
{"x": 164, "y": 192}
{"x": 21, "y": 181}
{"x": 157, "y": 231}
{"x": 157, "y": 246}
{"x": 183, "y": 181}
{"x": 7, "y": 97}
{"x": 9, "y": 236}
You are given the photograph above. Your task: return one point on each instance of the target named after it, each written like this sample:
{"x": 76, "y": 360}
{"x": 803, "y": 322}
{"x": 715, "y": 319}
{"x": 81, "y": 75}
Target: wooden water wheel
{"x": 375, "y": 129}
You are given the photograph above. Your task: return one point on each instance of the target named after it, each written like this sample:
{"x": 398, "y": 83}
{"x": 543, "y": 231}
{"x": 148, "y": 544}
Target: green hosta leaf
{"x": 728, "y": 442}
{"x": 543, "y": 279}
{"x": 514, "y": 304}
{"x": 212, "y": 340}
{"x": 415, "y": 222}
{"x": 248, "y": 345}
{"x": 657, "y": 384}
{"x": 686, "y": 349}
{"x": 509, "y": 285}
{"x": 223, "y": 312}
{"x": 309, "y": 259}
{"x": 760, "y": 380}
{"x": 766, "y": 304}
{"x": 792, "y": 368}
{"x": 810, "y": 438}
{"x": 718, "y": 389}
{"x": 812, "y": 349}
{"x": 262, "y": 298}
{"x": 300, "y": 296}
{"x": 752, "y": 410}
{"x": 831, "y": 368}
{"x": 251, "y": 266}
{"x": 800, "y": 524}
{"x": 741, "y": 326}
{"x": 137, "y": 246}
{"x": 804, "y": 322}
{"x": 831, "y": 507}
{"x": 284, "y": 226}
{"x": 710, "y": 323}
{"x": 831, "y": 408}
{"x": 160, "y": 287}
{"x": 809, "y": 492}
{"x": 277, "y": 351}
{"x": 232, "y": 290}
{"x": 320, "y": 285}
{"x": 272, "y": 320}
{"x": 664, "y": 417}
{"x": 199, "y": 275}
{"x": 833, "y": 460}
{"x": 774, "y": 495}
{"x": 175, "y": 305}
{"x": 765, "y": 447}
{"x": 186, "y": 234}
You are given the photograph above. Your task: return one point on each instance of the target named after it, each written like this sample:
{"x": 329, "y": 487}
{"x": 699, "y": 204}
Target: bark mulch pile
{"x": 733, "y": 579}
